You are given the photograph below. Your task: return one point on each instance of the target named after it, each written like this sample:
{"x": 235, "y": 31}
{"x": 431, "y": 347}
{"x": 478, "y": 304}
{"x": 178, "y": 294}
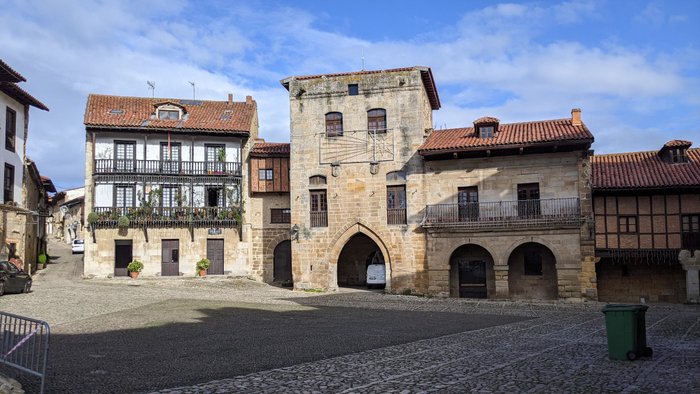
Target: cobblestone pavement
{"x": 123, "y": 335}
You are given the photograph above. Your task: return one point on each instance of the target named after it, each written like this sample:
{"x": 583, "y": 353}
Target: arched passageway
{"x": 532, "y": 273}
{"x": 471, "y": 272}
{"x": 282, "y": 262}
{"x": 359, "y": 253}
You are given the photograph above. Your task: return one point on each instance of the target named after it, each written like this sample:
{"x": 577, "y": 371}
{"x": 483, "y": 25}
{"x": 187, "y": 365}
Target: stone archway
{"x": 341, "y": 239}
{"x": 471, "y": 272}
{"x": 356, "y": 256}
{"x": 532, "y": 273}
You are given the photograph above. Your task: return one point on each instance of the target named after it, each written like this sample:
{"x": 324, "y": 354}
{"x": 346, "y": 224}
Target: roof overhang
{"x": 582, "y": 144}
{"x": 164, "y": 130}
{"x": 21, "y": 95}
{"x": 8, "y": 74}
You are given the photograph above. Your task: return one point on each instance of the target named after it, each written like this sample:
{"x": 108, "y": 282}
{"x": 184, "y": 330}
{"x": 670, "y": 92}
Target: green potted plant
{"x": 203, "y": 266}
{"x": 123, "y": 222}
{"x": 42, "y": 259}
{"x": 92, "y": 218}
{"x": 134, "y": 268}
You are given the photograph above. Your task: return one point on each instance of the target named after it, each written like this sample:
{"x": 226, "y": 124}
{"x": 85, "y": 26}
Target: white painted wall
{"x": 15, "y": 158}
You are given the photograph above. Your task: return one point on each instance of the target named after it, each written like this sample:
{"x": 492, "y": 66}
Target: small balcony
{"x": 319, "y": 218}
{"x": 165, "y": 167}
{"x": 162, "y": 217}
{"x": 505, "y": 215}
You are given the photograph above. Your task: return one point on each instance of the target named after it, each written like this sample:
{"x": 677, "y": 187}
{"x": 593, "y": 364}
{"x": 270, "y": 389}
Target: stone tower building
{"x": 356, "y": 177}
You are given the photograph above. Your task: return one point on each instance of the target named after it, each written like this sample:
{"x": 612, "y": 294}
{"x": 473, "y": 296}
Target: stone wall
{"x": 99, "y": 256}
{"x": 265, "y": 234}
{"x": 631, "y": 283}
{"x": 356, "y": 192}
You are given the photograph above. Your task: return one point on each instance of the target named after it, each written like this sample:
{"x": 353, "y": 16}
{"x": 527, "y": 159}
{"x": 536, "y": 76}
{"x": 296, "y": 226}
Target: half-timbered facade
{"x": 164, "y": 184}
{"x": 647, "y": 210}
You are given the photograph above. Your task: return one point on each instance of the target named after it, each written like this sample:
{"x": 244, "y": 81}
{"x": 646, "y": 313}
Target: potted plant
{"x": 123, "y": 222}
{"x": 92, "y": 218}
{"x": 134, "y": 268}
{"x": 42, "y": 261}
{"x": 203, "y": 266}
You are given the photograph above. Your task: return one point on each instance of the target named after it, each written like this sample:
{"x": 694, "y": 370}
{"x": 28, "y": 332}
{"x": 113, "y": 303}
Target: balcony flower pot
{"x": 134, "y": 268}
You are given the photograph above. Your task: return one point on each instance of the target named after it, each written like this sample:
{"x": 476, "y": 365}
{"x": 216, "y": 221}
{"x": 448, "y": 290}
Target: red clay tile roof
{"x": 639, "y": 170}
{"x": 426, "y": 76}
{"x": 508, "y": 135}
{"x": 677, "y": 144}
{"x": 8, "y": 74}
{"x": 487, "y": 119}
{"x": 104, "y": 111}
{"x": 21, "y": 95}
{"x": 268, "y": 149}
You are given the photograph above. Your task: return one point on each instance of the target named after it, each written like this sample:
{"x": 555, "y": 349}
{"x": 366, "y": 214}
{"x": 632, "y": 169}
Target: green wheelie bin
{"x": 627, "y": 331}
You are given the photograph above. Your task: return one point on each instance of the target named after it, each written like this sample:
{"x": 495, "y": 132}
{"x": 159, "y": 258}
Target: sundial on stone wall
{"x": 359, "y": 146}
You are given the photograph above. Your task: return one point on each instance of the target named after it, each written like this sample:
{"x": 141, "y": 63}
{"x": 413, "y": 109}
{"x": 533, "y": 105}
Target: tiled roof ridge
{"x": 653, "y": 152}
{"x": 512, "y": 124}
{"x": 14, "y": 73}
{"x": 163, "y": 99}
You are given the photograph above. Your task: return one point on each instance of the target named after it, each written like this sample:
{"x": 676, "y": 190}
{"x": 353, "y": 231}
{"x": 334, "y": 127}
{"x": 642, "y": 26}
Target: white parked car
{"x": 376, "y": 276}
{"x": 78, "y": 246}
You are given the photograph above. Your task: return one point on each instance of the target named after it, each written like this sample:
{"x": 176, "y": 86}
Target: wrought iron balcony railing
{"x": 505, "y": 214}
{"x": 108, "y": 217}
{"x": 120, "y": 166}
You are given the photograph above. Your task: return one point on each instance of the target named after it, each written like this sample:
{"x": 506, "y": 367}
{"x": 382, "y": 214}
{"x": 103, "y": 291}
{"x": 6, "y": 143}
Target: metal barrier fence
{"x": 24, "y": 344}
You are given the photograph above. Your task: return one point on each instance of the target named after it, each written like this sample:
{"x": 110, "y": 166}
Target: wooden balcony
{"x": 163, "y": 217}
{"x": 161, "y": 167}
{"x": 319, "y": 218}
{"x": 505, "y": 215}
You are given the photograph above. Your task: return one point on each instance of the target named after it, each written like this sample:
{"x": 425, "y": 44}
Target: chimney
{"x": 576, "y": 117}
{"x": 230, "y": 99}
{"x": 249, "y": 99}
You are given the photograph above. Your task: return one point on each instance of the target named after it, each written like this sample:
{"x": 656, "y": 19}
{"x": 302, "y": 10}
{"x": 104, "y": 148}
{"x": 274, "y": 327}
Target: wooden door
{"x": 170, "y": 258}
{"x": 215, "y": 254}
{"x": 529, "y": 200}
{"x": 282, "y": 262}
{"x": 472, "y": 279}
{"x": 468, "y": 202}
{"x": 122, "y": 257}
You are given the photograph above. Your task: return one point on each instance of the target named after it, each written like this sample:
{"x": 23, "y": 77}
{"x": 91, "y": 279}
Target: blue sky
{"x": 633, "y": 67}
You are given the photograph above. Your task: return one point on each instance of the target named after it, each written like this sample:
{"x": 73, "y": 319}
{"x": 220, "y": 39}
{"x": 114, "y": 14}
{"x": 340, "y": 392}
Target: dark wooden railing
{"x": 119, "y": 166}
{"x": 319, "y": 219}
{"x": 168, "y": 217}
{"x": 396, "y": 216}
{"x": 505, "y": 214}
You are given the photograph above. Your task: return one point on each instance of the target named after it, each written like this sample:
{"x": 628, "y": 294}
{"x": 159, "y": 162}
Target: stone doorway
{"x": 471, "y": 272}
{"x": 532, "y": 273}
{"x": 123, "y": 254}
{"x": 358, "y": 253}
{"x": 282, "y": 262}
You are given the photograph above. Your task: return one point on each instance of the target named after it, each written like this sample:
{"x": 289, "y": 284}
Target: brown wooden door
{"x": 468, "y": 202}
{"x": 215, "y": 254}
{"x": 170, "y": 258}
{"x": 529, "y": 200}
{"x": 282, "y": 264}
{"x": 122, "y": 257}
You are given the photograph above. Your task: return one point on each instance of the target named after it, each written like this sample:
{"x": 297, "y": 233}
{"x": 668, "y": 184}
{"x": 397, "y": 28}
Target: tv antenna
{"x": 152, "y": 86}
{"x": 363, "y": 59}
{"x": 192, "y": 83}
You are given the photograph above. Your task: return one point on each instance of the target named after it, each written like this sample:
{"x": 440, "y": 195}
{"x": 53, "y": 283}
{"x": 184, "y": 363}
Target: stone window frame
{"x": 353, "y": 89}
{"x": 376, "y": 117}
{"x": 318, "y": 180}
{"x": 9, "y": 183}
{"x": 334, "y": 124}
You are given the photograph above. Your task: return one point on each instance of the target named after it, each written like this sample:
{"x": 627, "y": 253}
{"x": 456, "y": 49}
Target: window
{"x": 123, "y": 196}
{"x": 168, "y": 198}
{"x": 533, "y": 263}
{"x": 678, "y": 155}
{"x": 10, "y": 129}
{"x": 317, "y": 180}
{"x": 168, "y": 114}
{"x": 528, "y": 200}
{"x": 468, "y": 203}
{"x": 627, "y": 224}
{"x": 215, "y": 156}
{"x": 334, "y": 124}
{"x": 170, "y": 157}
{"x": 278, "y": 215}
{"x": 265, "y": 174}
{"x": 376, "y": 120}
{"x": 690, "y": 227}
{"x": 9, "y": 184}
{"x": 353, "y": 89}
{"x": 486, "y": 131}
{"x": 396, "y": 205}
{"x": 124, "y": 155}
{"x": 319, "y": 209}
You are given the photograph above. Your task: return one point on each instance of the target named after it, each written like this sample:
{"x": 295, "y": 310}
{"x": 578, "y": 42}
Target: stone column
{"x": 691, "y": 265}
{"x": 501, "y": 275}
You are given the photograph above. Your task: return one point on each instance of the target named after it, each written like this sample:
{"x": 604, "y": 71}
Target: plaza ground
{"x": 235, "y": 335}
